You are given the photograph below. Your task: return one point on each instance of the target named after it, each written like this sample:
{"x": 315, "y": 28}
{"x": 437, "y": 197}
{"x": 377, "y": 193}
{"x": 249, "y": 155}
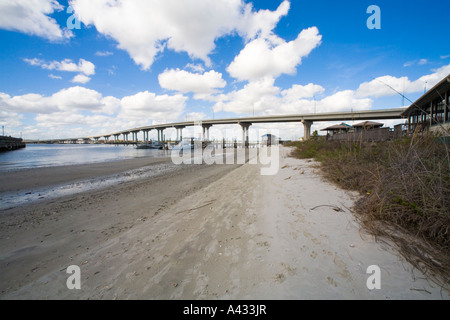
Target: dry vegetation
{"x": 405, "y": 193}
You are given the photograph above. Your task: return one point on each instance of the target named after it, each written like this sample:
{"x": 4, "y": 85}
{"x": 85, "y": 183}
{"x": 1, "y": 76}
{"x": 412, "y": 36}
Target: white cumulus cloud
{"x": 78, "y": 111}
{"x": 379, "y": 87}
{"x": 256, "y": 96}
{"x": 260, "y": 24}
{"x": 149, "y": 106}
{"x": 273, "y": 56}
{"x": 103, "y": 53}
{"x": 85, "y": 67}
{"x": 32, "y": 17}
{"x": 52, "y": 76}
{"x": 72, "y": 99}
{"x": 145, "y": 28}
{"x": 264, "y": 98}
{"x": 184, "y": 81}
{"x": 81, "y": 78}
{"x": 297, "y": 91}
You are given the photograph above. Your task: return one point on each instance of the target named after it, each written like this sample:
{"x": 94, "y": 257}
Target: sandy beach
{"x": 197, "y": 232}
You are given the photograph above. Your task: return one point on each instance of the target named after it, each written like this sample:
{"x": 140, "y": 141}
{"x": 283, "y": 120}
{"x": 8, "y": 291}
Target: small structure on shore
{"x": 367, "y": 125}
{"x": 269, "y": 139}
{"x": 364, "y": 131}
{"x": 338, "y": 128}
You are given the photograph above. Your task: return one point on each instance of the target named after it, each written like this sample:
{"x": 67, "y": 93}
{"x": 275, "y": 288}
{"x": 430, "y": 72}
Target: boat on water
{"x": 184, "y": 145}
{"x": 149, "y": 145}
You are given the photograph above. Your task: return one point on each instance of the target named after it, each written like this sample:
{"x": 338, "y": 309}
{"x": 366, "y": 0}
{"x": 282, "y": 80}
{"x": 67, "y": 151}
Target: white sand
{"x": 210, "y": 233}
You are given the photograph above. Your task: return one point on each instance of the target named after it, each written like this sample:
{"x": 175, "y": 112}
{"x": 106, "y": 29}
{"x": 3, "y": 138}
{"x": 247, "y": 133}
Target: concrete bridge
{"x": 306, "y": 119}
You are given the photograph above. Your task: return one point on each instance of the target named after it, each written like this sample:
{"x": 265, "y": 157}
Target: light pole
{"x": 314, "y": 104}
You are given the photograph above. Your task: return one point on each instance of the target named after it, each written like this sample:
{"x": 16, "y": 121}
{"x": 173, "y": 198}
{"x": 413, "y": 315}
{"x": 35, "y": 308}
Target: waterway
{"x": 34, "y": 156}
{"x": 49, "y": 155}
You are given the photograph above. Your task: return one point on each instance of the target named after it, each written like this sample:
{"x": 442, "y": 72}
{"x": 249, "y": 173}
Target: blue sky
{"x": 141, "y": 62}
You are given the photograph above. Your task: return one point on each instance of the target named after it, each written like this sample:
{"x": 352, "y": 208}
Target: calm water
{"x": 35, "y": 155}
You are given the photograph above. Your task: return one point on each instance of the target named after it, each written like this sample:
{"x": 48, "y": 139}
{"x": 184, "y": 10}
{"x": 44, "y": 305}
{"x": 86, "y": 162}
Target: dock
{"x": 10, "y": 143}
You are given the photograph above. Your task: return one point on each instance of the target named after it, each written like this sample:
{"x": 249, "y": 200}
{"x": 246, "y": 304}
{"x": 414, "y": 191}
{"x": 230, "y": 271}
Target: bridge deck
{"x": 382, "y": 114}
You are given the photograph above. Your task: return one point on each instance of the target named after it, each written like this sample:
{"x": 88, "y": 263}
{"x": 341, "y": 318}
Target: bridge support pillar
{"x": 146, "y": 135}
{"x": 135, "y": 136}
{"x": 245, "y": 139}
{"x": 205, "y": 136}
{"x": 180, "y": 133}
{"x": 160, "y": 135}
{"x": 307, "y": 129}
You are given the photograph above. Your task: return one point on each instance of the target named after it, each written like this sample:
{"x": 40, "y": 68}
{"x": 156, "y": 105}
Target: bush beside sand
{"x": 405, "y": 193}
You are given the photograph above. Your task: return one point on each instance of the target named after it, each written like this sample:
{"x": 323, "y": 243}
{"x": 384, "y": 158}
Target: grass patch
{"x": 405, "y": 193}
